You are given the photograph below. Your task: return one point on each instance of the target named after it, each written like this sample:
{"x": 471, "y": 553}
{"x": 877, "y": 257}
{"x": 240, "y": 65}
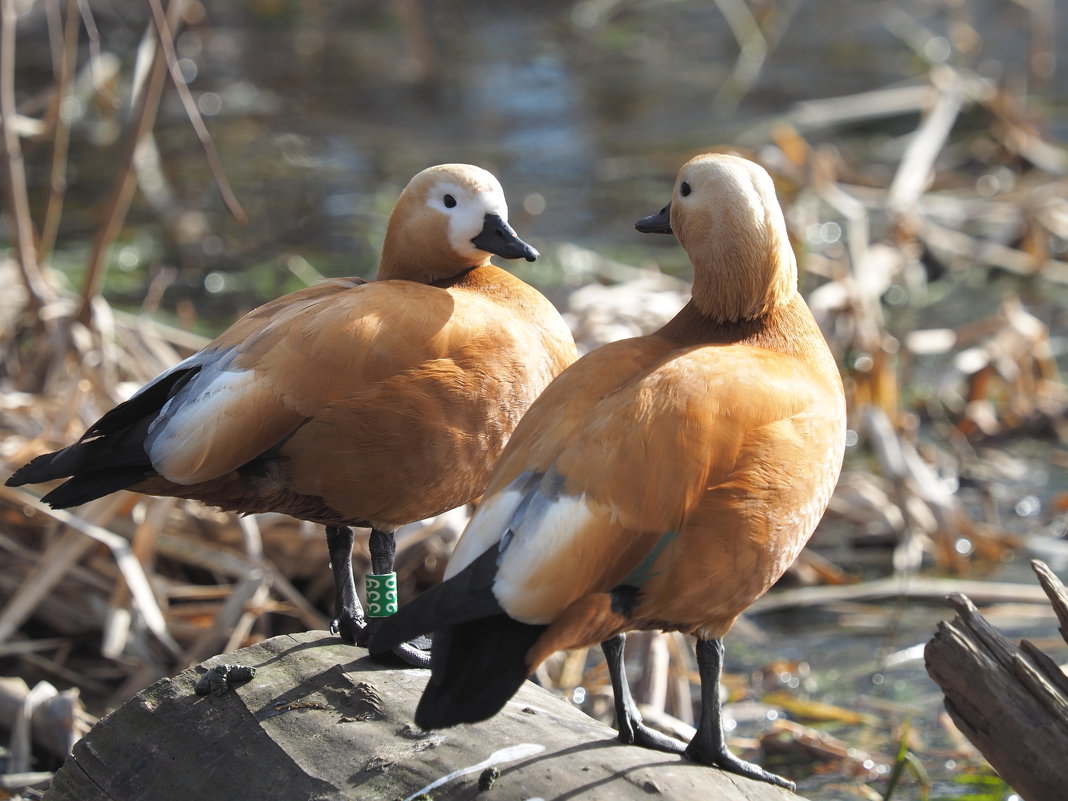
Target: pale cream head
{"x": 439, "y": 213}
{"x": 725, "y": 214}
{"x": 474, "y": 193}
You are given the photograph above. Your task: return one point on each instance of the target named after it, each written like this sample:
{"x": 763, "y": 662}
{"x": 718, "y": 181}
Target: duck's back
{"x": 358, "y": 393}
{"x": 692, "y": 465}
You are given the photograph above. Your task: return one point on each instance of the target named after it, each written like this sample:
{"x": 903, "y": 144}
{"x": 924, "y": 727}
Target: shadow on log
{"x": 319, "y": 720}
{"x": 1010, "y": 702}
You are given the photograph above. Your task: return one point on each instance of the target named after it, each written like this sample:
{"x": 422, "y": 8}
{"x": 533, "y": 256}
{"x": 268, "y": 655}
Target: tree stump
{"x": 320, "y": 720}
{"x": 1010, "y": 702}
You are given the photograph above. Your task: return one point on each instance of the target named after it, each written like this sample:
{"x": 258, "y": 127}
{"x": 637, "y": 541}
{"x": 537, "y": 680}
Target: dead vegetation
{"x": 105, "y": 599}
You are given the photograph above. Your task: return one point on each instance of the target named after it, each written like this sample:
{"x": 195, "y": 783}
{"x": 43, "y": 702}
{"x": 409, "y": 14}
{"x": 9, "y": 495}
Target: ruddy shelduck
{"x": 662, "y": 482}
{"x": 348, "y": 403}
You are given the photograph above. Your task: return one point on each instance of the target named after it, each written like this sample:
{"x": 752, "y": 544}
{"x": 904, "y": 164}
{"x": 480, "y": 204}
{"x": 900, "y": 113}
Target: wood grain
{"x": 320, "y": 720}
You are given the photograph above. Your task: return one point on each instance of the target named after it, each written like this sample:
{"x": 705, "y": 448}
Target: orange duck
{"x": 348, "y": 403}
{"x": 662, "y": 482}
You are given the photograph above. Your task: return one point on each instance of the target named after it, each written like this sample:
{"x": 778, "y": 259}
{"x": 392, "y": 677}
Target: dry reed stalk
{"x": 64, "y": 57}
{"x": 145, "y": 104}
{"x": 16, "y": 200}
{"x": 164, "y": 28}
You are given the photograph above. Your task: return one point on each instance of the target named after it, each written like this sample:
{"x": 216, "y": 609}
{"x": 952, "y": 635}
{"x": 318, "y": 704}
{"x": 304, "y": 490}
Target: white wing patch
{"x": 180, "y": 438}
{"x": 546, "y": 526}
{"x": 486, "y": 528}
{"x": 527, "y": 521}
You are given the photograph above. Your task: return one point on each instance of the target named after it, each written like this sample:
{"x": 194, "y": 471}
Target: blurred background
{"x": 158, "y": 191}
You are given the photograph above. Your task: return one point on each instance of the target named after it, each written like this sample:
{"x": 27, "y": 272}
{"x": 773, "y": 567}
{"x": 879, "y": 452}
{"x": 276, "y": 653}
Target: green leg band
{"x": 381, "y": 594}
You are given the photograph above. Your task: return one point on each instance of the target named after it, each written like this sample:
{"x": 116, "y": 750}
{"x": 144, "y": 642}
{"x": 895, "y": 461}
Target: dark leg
{"x": 632, "y": 730}
{"x": 709, "y": 746}
{"x": 383, "y": 548}
{"x": 349, "y": 622}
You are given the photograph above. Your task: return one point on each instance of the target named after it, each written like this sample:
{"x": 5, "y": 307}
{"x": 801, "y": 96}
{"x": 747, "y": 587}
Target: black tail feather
{"x": 87, "y": 487}
{"x": 476, "y": 667}
{"x": 110, "y": 455}
{"x": 478, "y": 659}
{"x": 466, "y": 596}
{"x": 37, "y": 469}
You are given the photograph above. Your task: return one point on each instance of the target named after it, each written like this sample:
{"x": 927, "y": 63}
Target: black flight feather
{"x": 478, "y": 660}
{"x": 111, "y": 454}
{"x": 466, "y": 596}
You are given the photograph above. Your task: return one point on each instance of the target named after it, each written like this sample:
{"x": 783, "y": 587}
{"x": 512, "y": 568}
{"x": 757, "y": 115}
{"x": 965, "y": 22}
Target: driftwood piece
{"x": 1010, "y": 702}
{"x": 319, "y": 720}
{"x": 52, "y": 719}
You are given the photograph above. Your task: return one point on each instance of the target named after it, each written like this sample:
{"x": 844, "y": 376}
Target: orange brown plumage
{"x": 348, "y": 403}
{"x": 661, "y": 482}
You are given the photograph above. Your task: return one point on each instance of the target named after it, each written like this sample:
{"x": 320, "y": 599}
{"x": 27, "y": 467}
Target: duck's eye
{"x": 450, "y": 201}
{"x": 684, "y": 189}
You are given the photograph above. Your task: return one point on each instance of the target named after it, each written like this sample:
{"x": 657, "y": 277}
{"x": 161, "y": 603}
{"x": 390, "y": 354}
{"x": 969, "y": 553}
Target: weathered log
{"x": 1010, "y": 702}
{"x": 319, "y": 720}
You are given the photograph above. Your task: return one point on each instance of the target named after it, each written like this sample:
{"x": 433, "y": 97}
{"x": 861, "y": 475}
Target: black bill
{"x": 497, "y": 237}
{"x": 659, "y": 223}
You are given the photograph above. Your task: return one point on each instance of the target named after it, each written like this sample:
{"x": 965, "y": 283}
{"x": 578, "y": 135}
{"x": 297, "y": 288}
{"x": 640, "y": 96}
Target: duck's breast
{"x": 419, "y": 428}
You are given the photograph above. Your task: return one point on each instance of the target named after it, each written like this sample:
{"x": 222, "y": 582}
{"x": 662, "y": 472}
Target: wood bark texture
{"x": 320, "y": 720}
{"x": 1010, "y": 701}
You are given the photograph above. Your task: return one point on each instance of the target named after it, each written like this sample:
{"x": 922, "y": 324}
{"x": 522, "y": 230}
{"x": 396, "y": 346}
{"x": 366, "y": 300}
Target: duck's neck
{"x": 744, "y": 266}
{"x": 787, "y": 328}
{"x": 394, "y": 266}
{"x": 414, "y": 250}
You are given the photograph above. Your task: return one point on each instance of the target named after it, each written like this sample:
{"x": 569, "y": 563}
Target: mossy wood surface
{"x": 319, "y": 720}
